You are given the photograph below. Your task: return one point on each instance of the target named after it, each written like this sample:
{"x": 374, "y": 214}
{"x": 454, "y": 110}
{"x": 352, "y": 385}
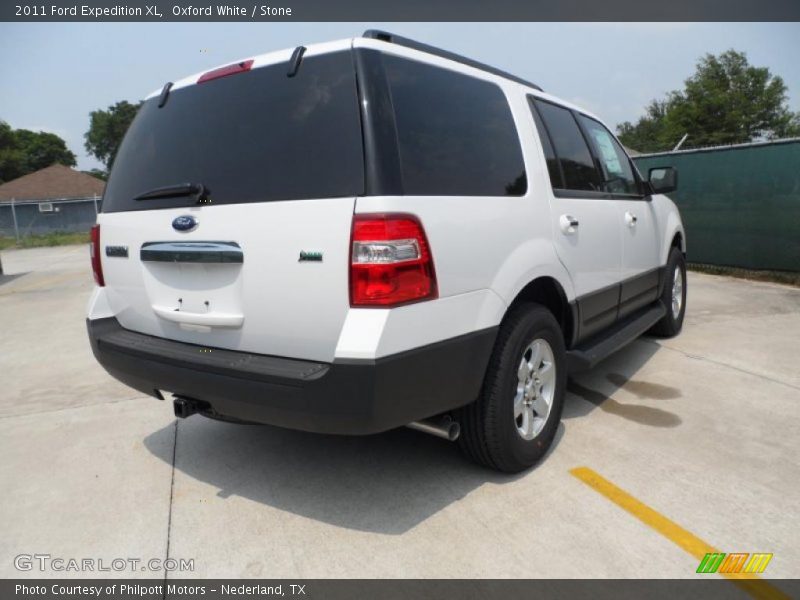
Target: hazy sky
{"x": 54, "y": 74}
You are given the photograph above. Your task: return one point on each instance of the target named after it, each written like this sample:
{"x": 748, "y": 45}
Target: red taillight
{"x": 94, "y": 249}
{"x": 239, "y": 67}
{"x": 390, "y": 261}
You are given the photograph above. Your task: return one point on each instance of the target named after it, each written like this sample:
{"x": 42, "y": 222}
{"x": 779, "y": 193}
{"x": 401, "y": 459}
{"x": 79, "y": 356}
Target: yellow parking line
{"x": 750, "y": 583}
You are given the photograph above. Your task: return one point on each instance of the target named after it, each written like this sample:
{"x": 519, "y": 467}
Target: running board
{"x": 588, "y": 355}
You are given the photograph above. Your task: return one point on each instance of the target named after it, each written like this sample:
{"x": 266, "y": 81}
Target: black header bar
{"x": 400, "y": 10}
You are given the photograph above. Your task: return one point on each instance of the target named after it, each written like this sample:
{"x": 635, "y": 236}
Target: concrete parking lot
{"x": 702, "y": 430}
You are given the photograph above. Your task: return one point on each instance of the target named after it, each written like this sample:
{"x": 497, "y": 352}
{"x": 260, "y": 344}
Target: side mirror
{"x": 663, "y": 180}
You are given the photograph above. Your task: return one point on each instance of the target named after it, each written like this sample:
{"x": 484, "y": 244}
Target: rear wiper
{"x": 181, "y": 189}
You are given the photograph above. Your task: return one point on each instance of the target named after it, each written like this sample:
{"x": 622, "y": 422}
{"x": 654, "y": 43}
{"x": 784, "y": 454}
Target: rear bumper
{"x": 344, "y": 397}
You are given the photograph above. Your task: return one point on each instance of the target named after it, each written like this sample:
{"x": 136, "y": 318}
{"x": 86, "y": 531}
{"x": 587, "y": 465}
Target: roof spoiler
{"x": 385, "y": 36}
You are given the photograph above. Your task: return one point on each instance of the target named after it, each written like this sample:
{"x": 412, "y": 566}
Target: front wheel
{"x": 512, "y": 424}
{"x": 673, "y": 296}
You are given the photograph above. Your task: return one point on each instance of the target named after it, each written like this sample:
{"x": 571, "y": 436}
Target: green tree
{"x": 726, "y": 101}
{"x": 23, "y": 151}
{"x": 106, "y": 130}
{"x": 42, "y": 149}
{"x": 649, "y": 131}
{"x": 10, "y": 156}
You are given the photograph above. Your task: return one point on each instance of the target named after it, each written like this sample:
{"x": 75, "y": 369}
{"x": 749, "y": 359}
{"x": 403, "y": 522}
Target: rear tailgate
{"x": 274, "y": 164}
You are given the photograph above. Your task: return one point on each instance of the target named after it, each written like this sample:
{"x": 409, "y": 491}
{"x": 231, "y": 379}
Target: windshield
{"x": 257, "y": 136}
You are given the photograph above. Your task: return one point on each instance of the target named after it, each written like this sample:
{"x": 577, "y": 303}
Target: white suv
{"x": 373, "y": 233}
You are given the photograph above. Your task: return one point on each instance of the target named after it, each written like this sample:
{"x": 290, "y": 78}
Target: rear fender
{"x": 531, "y": 260}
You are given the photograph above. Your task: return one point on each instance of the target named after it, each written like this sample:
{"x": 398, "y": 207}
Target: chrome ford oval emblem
{"x": 184, "y": 223}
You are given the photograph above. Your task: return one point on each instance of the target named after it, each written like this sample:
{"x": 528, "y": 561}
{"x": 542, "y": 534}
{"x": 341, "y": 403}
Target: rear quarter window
{"x": 571, "y": 150}
{"x": 455, "y": 133}
{"x": 258, "y": 136}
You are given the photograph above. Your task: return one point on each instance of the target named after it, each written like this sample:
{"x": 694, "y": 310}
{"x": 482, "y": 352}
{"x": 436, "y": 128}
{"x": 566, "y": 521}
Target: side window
{"x": 617, "y": 171}
{"x": 574, "y": 157}
{"x": 455, "y": 133}
{"x": 549, "y": 154}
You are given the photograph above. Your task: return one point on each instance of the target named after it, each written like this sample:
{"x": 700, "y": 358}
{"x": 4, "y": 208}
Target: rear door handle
{"x": 192, "y": 252}
{"x": 630, "y": 219}
{"x": 568, "y": 224}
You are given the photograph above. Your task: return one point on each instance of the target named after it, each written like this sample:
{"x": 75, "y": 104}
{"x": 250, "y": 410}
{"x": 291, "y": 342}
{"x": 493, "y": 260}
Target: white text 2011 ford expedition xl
{"x": 372, "y": 233}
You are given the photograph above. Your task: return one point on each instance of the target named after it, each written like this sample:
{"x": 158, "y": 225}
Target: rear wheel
{"x": 512, "y": 424}
{"x": 673, "y": 296}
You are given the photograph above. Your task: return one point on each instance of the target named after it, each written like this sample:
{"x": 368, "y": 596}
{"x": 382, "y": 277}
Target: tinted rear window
{"x": 456, "y": 133}
{"x": 553, "y": 168}
{"x": 252, "y": 137}
{"x": 575, "y": 159}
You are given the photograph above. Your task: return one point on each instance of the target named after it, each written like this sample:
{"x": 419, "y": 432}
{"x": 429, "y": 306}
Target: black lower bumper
{"x": 345, "y": 397}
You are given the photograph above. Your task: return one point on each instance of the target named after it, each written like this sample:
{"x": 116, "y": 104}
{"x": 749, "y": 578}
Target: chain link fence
{"x": 21, "y": 219}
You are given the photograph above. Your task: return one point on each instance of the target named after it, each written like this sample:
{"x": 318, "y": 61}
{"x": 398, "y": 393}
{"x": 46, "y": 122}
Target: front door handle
{"x": 630, "y": 219}
{"x": 568, "y": 224}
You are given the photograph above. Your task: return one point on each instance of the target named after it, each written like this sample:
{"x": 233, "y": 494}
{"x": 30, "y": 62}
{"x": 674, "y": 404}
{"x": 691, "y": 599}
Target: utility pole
{"x": 14, "y": 216}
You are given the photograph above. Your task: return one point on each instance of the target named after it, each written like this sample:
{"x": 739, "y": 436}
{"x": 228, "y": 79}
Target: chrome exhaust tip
{"x": 444, "y": 428}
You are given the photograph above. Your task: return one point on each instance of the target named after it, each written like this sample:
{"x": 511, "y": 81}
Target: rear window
{"x": 553, "y": 168}
{"x": 258, "y": 136}
{"x": 574, "y": 156}
{"x": 455, "y": 133}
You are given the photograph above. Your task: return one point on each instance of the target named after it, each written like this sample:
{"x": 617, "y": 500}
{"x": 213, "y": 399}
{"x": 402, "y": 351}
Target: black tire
{"x": 671, "y": 324}
{"x": 489, "y": 433}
